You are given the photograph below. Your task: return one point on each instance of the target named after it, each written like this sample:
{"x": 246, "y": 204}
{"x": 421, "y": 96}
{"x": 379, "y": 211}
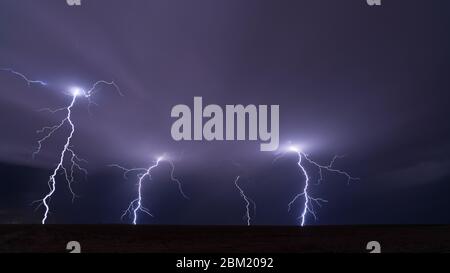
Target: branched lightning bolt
{"x": 60, "y": 166}
{"x": 136, "y": 205}
{"x": 308, "y": 205}
{"x": 67, "y": 154}
{"x": 25, "y": 78}
{"x": 310, "y": 202}
{"x": 248, "y": 201}
{"x": 89, "y": 93}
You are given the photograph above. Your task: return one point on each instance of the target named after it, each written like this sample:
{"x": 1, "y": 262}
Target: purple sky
{"x": 368, "y": 82}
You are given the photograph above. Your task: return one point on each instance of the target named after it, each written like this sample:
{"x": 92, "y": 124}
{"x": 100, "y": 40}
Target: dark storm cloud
{"x": 371, "y": 83}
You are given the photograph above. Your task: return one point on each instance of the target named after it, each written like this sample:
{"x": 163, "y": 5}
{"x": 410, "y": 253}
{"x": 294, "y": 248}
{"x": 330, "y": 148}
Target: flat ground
{"x": 228, "y": 239}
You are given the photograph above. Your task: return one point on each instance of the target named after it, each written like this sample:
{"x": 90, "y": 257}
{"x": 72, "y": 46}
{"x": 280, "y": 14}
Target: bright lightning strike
{"x": 60, "y": 167}
{"x": 136, "y": 205}
{"x": 310, "y": 202}
{"x": 69, "y": 161}
{"x": 248, "y": 201}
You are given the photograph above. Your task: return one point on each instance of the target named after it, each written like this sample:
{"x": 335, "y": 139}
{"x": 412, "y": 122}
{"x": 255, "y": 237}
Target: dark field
{"x": 224, "y": 239}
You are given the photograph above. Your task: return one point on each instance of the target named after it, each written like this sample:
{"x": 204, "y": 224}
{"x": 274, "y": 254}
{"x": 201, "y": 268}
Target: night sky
{"x": 370, "y": 83}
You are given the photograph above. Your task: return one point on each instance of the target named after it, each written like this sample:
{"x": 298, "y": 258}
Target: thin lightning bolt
{"x": 25, "y": 78}
{"x": 309, "y": 201}
{"x": 248, "y": 201}
{"x": 176, "y": 180}
{"x": 136, "y": 205}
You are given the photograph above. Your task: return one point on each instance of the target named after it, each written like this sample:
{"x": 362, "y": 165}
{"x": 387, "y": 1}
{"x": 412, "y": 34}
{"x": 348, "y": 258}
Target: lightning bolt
{"x": 60, "y": 167}
{"x": 248, "y": 201}
{"x": 136, "y": 205}
{"x": 69, "y": 162}
{"x": 67, "y": 152}
{"x": 310, "y": 203}
{"x": 23, "y": 77}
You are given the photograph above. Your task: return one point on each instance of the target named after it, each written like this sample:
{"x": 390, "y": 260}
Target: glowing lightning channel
{"x": 25, "y": 78}
{"x": 142, "y": 173}
{"x": 248, "y": 201}
{"x": 74, "y": 160}
{"x": 67, "y": 151}
{"x": 60, "y": 166}
{"x": 309, "y": 201}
